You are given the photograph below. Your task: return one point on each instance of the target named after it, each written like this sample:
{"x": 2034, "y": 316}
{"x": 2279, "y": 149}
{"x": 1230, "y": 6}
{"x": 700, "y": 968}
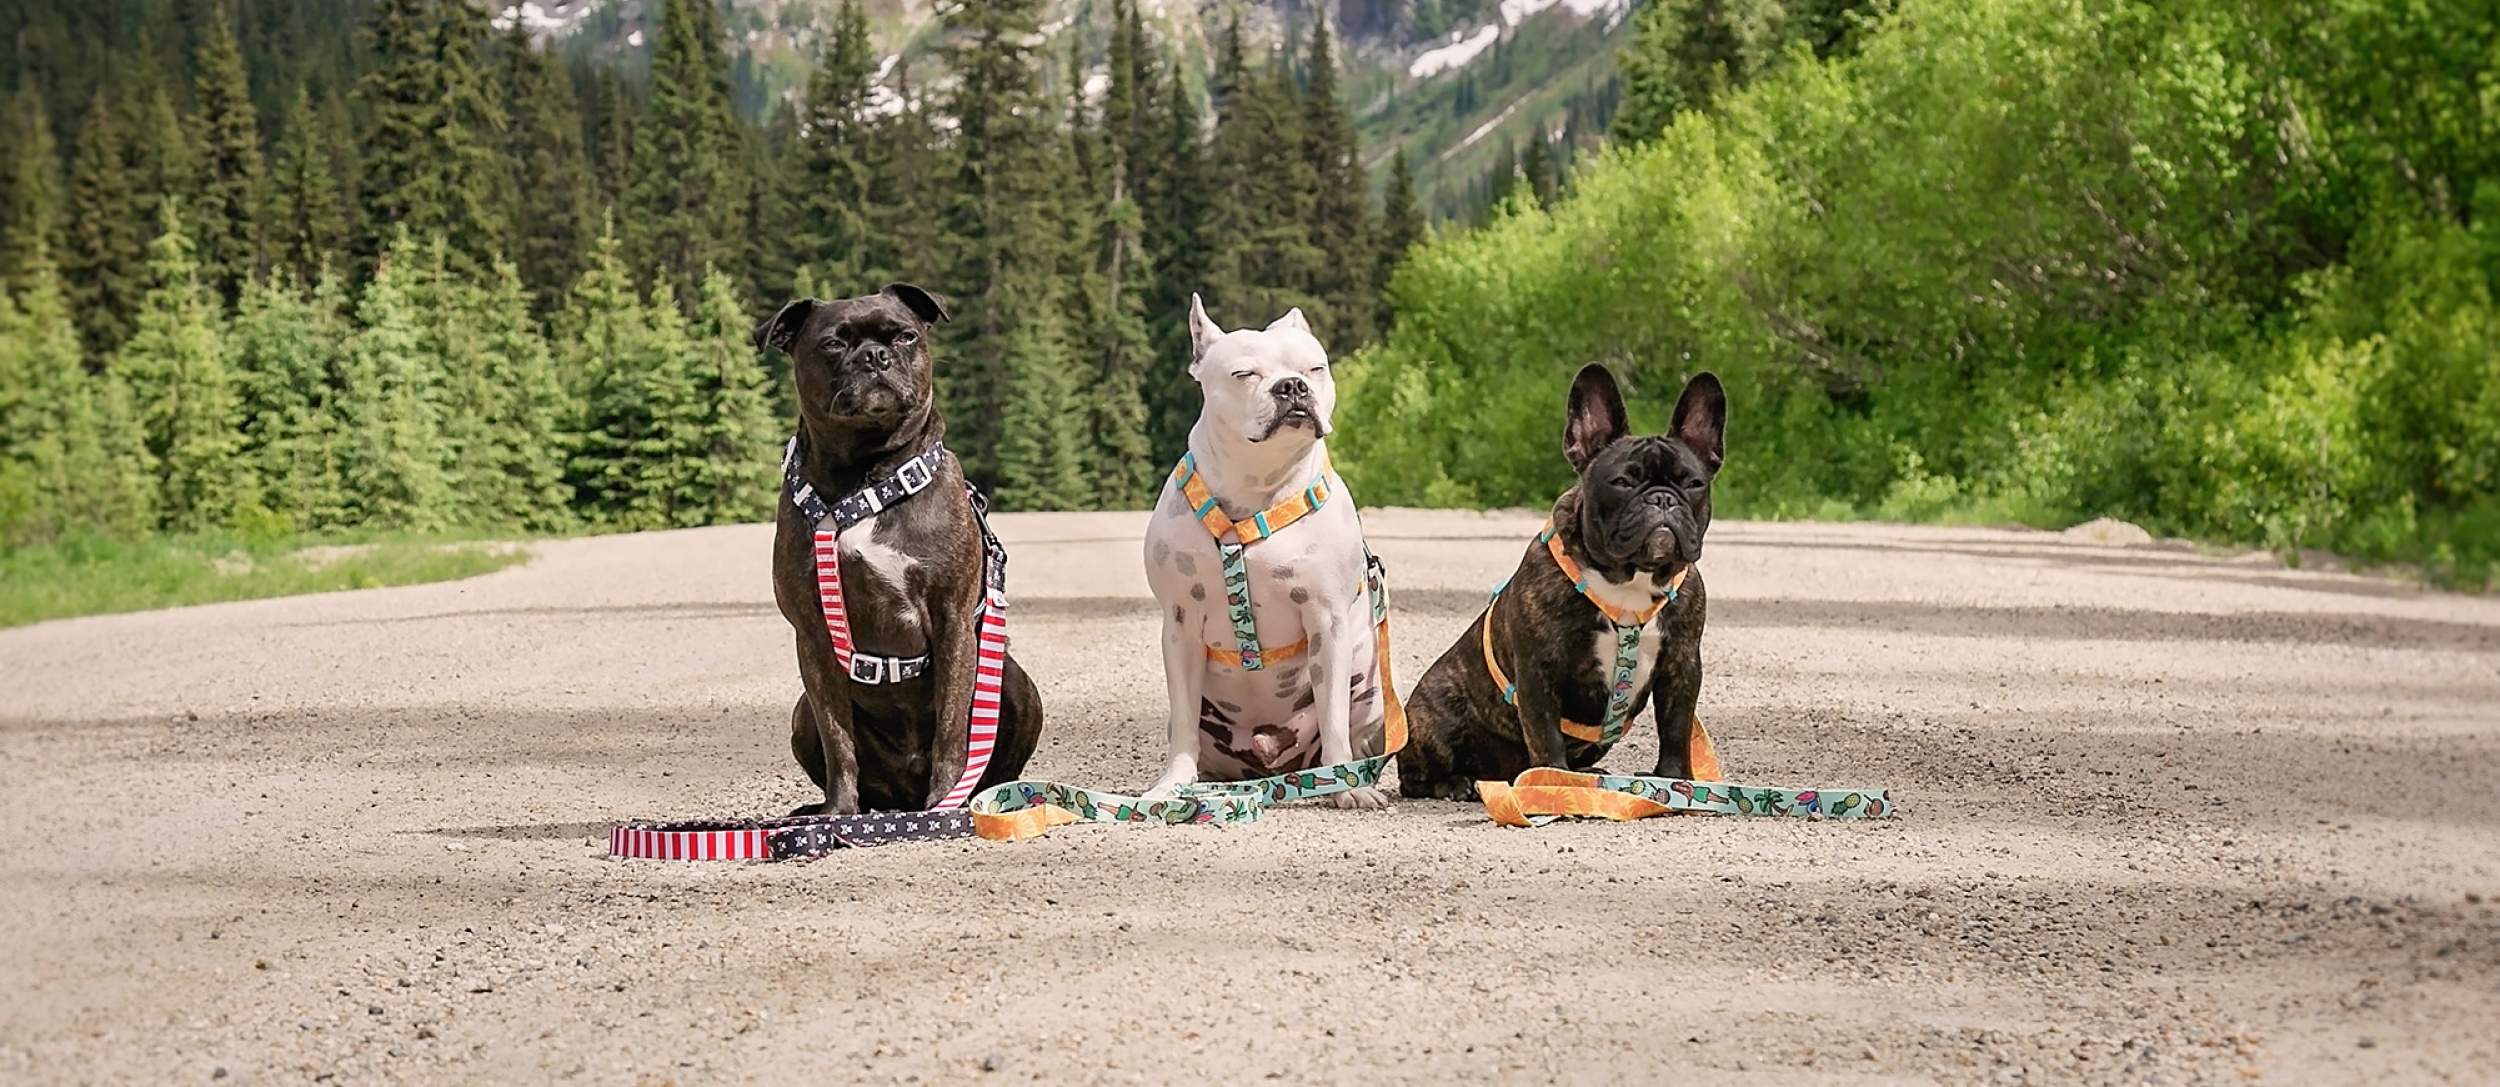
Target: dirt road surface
{"x": 2163, "y": 818}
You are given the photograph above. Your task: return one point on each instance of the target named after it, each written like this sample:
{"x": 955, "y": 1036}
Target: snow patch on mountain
{"x": 1433, "y": 62}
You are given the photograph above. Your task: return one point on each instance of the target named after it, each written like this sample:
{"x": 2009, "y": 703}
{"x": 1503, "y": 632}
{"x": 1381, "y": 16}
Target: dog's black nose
{"x": 877, "y": 356}
{"x": 1292, "y": 388}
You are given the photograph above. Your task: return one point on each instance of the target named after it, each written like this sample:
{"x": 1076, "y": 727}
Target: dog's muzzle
{"x": 1296, "y": 406}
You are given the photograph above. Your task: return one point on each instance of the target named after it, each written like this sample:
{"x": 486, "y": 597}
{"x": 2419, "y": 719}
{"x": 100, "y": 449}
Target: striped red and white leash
{"x": 805, "y": 836}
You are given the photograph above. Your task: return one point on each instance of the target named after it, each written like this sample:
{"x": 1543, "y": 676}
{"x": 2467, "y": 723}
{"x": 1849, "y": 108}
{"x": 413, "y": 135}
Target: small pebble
{"x": 2367, "y": 1042}
{"x": 993, "y": 1062}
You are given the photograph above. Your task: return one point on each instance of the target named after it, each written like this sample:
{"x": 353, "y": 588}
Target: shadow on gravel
{"x": 2054, "y": 624}
{"x": 2058, "y": 771}
{"x": 2182, "y": 562}
{"x": 524, "y": 832}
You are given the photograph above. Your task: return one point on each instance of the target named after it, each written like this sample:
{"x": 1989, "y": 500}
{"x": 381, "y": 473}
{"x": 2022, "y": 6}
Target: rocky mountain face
{"x": 1465, "y": 87}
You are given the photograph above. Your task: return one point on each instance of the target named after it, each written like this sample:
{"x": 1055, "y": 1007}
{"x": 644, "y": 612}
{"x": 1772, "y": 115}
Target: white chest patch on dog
{"x": 889, "y": 565}
{"x": 1634, "y": 596}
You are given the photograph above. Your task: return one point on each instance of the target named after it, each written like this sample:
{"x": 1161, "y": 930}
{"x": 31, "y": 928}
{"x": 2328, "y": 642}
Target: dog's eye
{"x": 906, "y": 338}
{"x": 1245, "y": 374}
{"x": 832, "y": 345}
{"x": 1621, "y": 483}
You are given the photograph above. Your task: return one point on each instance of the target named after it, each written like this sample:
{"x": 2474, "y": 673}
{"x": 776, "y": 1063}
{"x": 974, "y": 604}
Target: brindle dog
{"x": 1634, "y": 521}
{"x": 911, "y": 575}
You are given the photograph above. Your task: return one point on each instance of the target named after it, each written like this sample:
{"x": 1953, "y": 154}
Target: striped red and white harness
{"x": 813, "y": 835}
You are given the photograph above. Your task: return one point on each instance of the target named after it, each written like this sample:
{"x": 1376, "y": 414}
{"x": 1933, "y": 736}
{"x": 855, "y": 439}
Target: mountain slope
{"x": 1456, "y": 83}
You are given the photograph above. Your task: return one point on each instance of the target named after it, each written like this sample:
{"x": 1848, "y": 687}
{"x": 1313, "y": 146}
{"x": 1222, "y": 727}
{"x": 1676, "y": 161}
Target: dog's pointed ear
{"x": 1292, "y": 319}
{"x": 780, "y": 329}
{"x": 1701, "y": 418}
{"x": 1202, "y": 330}
{"x": 1595, "y": 418}
{"x": 928, "y": 307}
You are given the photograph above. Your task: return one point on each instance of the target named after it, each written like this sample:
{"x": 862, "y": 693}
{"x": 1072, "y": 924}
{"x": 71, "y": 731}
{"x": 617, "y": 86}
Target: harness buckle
{"x": 867, "y": 669}
{"x": 915, "y": 475}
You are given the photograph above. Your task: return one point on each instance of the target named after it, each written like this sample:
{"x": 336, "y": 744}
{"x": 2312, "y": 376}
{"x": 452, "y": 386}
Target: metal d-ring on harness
{"x": 815, "y": 835}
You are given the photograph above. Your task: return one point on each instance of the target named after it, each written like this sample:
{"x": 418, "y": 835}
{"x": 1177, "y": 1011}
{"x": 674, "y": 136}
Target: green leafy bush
{"x": 2227, "y": 272}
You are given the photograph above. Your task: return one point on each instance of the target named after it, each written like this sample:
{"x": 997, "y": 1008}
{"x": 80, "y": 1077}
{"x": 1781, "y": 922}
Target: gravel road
{"x": 2165, "y": 817}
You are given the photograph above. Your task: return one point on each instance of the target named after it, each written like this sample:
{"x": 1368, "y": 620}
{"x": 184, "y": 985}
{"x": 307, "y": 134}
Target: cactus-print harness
{"x": 1236, "y": 562}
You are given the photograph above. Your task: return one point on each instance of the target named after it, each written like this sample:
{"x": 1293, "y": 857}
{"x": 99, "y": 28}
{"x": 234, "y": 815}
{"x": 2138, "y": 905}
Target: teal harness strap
{"x": 1721, "y": 798}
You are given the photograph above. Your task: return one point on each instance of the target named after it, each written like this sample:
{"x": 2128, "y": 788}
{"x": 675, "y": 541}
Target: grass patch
{"x": 97, "y": 576}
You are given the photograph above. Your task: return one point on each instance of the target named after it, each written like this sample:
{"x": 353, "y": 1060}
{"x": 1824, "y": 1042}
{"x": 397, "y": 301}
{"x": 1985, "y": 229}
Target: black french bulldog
{"x": 911, "y": 575}
{"x": 1632, "y": 524}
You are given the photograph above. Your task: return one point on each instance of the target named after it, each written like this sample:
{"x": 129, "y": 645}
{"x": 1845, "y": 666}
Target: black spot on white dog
{"x": 1163, "y": 552}
{"x": 1186, "y": 564}
{"x": 1300, "y": 596}
{"x": 1197, "y": 592}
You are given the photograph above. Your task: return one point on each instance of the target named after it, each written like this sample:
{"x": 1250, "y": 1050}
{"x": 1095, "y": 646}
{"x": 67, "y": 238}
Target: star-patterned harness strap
{"x": 816, "y": 835}
{"x": 1259, "y": 526}
{"x": 1627, "y": 628}
{"x": 1028, "y": 809}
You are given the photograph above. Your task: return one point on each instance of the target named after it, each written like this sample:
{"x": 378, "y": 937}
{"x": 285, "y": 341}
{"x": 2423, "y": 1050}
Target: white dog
{"x": 1256, "y": 498}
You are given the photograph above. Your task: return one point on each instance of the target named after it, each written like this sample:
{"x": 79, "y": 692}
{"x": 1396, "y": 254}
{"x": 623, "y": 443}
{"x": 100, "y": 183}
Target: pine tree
{"x": 688, "y": 202}
{"x": 906, "y": 205}
{"x": 30, "y": 217}
{"x": 306, "y": 223}
{"x": 611, "y": 132}
{"x": 164, "y": 157}
{"x": 1008, "y": 388}
{"x": 532, "y": 437}
{"x": 395, "y": 466}
{"x": 828, "y": 174}
{"x": 432, "y": 160}
{"x": 106, "y": 251}
{"x": 608, "y": 332}
{"x": 1175, "y": 188}
{"x": 738, "y": 457}
{"x": 503, "y": 410}
{"x": 285, "y": 343}
{"x": 553, "y": 215}
{"x": 70, "y": 458}
{"x": 228, "y": 219}
{"x": 1340, "y": 224}
{"x": 1401, "y": 224}
{"x": 1117, "y": 282}
{"x": 175, "y": 363}
{"x": 1264, "y": 261}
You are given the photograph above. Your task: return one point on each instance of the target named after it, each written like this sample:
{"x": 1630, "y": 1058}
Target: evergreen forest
{"x": 283, "y": 266}
{"x": 2224, "y": 269}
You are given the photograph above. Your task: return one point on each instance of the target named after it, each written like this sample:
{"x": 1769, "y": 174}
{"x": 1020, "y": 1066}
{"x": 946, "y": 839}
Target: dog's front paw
{"x": 1367, "y": 798}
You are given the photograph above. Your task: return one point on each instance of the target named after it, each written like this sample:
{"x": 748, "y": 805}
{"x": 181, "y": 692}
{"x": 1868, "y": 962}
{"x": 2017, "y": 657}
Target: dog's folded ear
{"x": 1595, "y": 418}
{"x": 1701, "y": 418}
{"x": 780, "y": 329}
{"x": 928, "y": 307}
{"x": 1292, "y": 319}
